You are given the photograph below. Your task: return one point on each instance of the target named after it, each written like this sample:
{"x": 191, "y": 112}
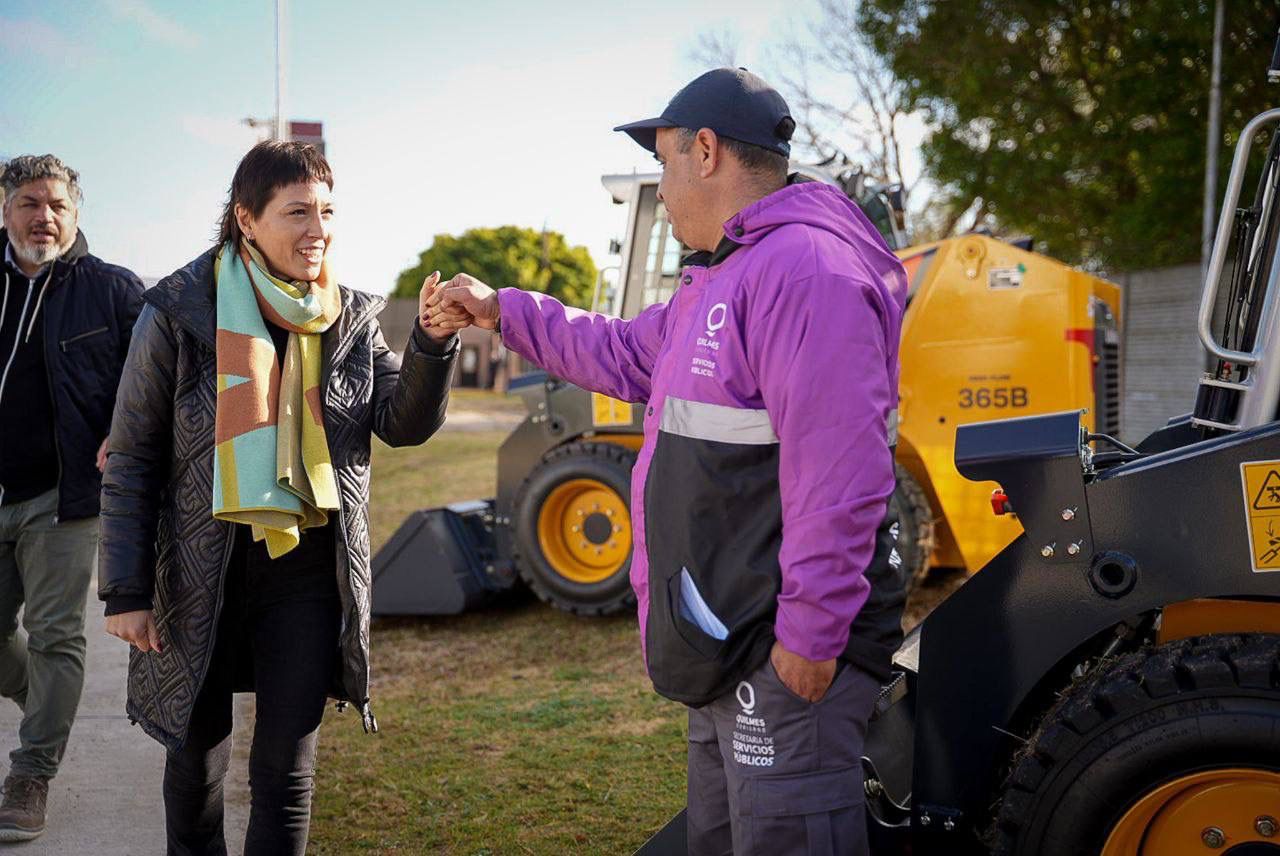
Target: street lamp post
{"x": 281, "y": 124}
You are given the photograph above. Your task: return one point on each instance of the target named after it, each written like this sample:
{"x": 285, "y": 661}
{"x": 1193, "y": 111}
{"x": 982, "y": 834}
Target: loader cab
{"x": 649, "y": 269}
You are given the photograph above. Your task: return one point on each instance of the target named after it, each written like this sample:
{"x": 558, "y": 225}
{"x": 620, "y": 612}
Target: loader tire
{"x": 916, "y": 528}
{"x": 1151, "y": 753}
{"x": 573, "y": 528}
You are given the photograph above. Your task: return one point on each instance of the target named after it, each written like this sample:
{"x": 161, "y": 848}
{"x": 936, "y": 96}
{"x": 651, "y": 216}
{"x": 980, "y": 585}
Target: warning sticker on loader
{"x": 1006, "y": 277}
{"x": 1262, "y": 506}
{"x": 609, "y": 411}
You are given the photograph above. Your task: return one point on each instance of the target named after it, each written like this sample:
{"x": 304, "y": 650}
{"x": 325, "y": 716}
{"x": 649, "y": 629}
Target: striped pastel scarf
{"x": 272, "y": 469}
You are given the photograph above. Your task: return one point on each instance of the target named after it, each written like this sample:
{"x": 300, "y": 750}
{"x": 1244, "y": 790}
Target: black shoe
{"x": 22, "y": 813}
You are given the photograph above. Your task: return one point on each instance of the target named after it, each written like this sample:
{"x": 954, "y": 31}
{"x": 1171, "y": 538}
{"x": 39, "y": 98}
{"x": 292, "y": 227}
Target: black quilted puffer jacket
{"x": 159, "y": 540}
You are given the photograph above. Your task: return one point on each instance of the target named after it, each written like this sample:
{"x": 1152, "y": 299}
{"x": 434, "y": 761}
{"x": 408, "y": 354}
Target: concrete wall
{"x": 396, "y": 320}
{"x": 1163, "y": 357}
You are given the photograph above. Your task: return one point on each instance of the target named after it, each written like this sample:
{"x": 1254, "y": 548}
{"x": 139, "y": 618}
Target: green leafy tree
{"x": 508, "y": 256}
{"x": 1082, "y": 123}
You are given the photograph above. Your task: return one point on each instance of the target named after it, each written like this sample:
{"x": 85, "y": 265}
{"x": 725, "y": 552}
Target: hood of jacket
{"x": 820, "y": 206}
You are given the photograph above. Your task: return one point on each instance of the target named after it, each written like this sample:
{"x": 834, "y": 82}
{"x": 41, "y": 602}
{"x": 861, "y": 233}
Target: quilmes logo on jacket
{"x": 716, "y": 318}
{"x": 704, "y": 360}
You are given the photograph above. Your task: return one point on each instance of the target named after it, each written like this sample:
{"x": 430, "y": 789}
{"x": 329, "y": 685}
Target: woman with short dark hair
{"x": 234, "y": 552}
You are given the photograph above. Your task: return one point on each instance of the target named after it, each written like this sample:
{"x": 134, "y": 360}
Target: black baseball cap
{"x": 733, "y": 102}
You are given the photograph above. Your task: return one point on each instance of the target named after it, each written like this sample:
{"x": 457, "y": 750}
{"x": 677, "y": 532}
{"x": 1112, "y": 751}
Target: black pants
{"x": 277, "y": 636}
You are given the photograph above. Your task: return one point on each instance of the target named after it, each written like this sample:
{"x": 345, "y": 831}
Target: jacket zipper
{"x": 660, "y": 389}
{"x": 65, "y": 342}
{"x": 53, "y": 403}
{"x": 344, "y": 347}
{"x": 368, "y": 721}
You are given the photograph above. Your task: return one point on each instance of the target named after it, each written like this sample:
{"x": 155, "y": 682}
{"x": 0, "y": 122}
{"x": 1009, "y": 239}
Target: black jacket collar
{"x": 702, "y": 258}
{"x": 78, "y": 250}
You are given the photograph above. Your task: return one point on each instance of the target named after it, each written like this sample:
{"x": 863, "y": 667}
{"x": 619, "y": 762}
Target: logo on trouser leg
{"x": 752, "y": 745}
{"x": 747, "y": 697}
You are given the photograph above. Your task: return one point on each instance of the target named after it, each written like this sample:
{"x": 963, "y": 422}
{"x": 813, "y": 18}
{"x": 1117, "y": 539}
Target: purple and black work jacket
{"x": 760, "y": 500}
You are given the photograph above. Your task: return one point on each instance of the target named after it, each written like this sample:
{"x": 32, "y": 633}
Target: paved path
{"x": 461, "y": 419}
{"x": 106, "y": 798}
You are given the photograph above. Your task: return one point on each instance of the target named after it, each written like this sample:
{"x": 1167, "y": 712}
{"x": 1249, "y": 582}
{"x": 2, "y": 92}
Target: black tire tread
{"x": 612, "y": 452}
{"x": 1126, "y": 684}
{"x": 916, "y": 515}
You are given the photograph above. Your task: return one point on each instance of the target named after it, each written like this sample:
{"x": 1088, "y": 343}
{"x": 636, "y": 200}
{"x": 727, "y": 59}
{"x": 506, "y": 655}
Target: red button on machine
{"x": 1000, "y": 502}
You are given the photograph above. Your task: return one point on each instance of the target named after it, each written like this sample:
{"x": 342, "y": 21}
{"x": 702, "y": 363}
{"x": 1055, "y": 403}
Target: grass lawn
{"x": 520, "y": 729}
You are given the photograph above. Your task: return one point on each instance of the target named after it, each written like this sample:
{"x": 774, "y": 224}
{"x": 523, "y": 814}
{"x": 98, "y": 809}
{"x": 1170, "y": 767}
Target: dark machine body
{"x": 994, "y": 653}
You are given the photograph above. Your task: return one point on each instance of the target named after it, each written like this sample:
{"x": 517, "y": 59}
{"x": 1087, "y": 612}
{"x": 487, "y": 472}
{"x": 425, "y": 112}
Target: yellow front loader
{"x": 992, "y": 331}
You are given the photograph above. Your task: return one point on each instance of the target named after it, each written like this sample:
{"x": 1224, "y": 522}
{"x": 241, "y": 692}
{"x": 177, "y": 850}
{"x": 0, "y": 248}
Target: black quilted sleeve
{"x": 138, "y": 463}
{"x": 409, "y": 399}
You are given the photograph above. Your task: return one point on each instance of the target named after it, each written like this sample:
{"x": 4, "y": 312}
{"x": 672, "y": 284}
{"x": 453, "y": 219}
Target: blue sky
{"x": 438, "y": 116}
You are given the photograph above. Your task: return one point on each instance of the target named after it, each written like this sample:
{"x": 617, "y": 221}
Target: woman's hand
{"x": 137, "y": 628}
{"x": 437, "y": 324}
{"x": 467, "y": 294}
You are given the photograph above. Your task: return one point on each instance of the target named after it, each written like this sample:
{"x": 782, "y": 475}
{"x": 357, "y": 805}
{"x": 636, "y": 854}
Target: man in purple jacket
{"x": 769, "y": 598}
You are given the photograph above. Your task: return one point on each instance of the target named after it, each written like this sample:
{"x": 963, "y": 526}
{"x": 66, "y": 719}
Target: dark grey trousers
{"x": 773, "y": 774}
{"x": 47, "y": 566}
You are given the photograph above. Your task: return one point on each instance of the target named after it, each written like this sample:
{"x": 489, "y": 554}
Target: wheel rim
{"x": 584, "y": 530}
{"x": 1216, "y": 811}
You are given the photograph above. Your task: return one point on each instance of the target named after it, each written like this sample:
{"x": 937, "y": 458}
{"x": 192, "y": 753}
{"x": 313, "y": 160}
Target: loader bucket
{"x": 670, "y": 839}
{"x": 439, "y": 562}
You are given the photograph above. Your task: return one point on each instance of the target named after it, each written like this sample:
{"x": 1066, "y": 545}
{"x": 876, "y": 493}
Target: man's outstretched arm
{"x": 596, "y": 352}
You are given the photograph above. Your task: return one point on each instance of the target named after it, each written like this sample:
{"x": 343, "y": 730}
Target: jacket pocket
{"x": 704, "y": 637}
{"x": 82, "y": 339}
{"x": 813, "y": 813}
{"x": 771, "y": 673}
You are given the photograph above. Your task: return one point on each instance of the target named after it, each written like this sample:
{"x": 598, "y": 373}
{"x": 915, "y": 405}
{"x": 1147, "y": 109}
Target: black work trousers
{"x": 277, "y": 636}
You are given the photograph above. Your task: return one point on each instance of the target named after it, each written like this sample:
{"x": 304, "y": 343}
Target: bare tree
{"x": 860, "y": 110}
{"x": 717, "y": 48}
{"x": 848, "y": 105}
